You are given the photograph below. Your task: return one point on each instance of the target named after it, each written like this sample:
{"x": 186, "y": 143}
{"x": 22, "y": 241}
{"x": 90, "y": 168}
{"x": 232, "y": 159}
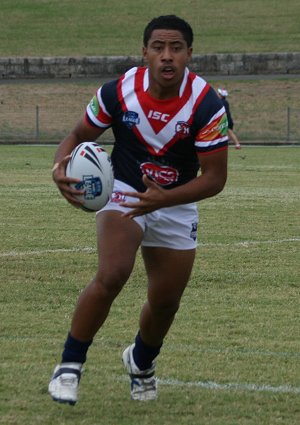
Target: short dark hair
{"x": 169, "y": 22}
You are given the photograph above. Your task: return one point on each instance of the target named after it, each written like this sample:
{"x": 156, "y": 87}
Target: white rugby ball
{"x": 92, "y": 165}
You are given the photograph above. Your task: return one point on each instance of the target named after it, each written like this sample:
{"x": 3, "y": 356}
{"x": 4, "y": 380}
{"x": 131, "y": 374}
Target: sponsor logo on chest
{"x": 159, "y": 116}
{"x": 162, "y": 175}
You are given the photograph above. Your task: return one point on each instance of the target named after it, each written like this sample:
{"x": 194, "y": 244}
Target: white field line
{"x": 230, "y": 386}
{"x": 244, "y": 244}
{"x": 46, "y": 251}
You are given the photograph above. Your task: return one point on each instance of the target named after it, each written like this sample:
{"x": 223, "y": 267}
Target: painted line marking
{"x": 244, "y": 244}
{"x": 46, "y": 251}
{"x": 230, "y": 386}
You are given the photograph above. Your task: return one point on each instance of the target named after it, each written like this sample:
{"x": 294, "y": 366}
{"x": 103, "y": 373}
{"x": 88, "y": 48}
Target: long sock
{"x": 144, "y": 354}
{"x": 75, "y": 351}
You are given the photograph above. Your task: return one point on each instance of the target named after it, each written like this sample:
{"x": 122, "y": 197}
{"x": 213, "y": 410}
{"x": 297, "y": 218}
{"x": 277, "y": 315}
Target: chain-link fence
{"x": 41, "y": 125}
{"x": 278, "y": 125}
{"x": 46, "y": 112}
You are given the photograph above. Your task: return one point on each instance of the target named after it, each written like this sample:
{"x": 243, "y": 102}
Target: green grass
{"x": 238, "y": 324}
{"x": 111, "y": 27}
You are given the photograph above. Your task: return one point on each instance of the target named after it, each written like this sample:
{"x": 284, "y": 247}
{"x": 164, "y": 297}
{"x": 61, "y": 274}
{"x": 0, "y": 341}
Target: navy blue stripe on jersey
{"x": 160, "y": 138}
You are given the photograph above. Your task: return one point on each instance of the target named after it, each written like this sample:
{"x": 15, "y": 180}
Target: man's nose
{"x": 167, "y": 53}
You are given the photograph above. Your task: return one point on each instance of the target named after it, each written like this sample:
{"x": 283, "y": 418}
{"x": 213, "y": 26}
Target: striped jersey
{"x": 159, "y": 138}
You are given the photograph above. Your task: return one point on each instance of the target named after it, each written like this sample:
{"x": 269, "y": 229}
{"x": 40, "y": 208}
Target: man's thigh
{"x": 118, "y": 240}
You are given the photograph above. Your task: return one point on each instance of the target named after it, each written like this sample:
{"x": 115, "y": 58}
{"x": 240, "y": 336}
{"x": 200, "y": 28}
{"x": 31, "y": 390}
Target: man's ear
{"x": 144, "y": 52}
{"x": 190, "y": 52}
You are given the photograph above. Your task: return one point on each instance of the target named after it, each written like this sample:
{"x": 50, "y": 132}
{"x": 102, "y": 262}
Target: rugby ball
{"x": 92, "y": 165}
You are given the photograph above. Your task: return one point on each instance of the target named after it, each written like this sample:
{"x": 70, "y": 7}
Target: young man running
{"x": 167, "y": 122}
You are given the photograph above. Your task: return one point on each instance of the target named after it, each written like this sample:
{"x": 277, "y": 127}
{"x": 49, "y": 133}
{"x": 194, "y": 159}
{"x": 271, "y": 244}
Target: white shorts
{"x": 172, "y": 227}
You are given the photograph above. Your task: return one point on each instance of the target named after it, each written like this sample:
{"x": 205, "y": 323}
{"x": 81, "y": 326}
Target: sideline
{"x": 243, "y": 244}
{"x": 230, "y": 386}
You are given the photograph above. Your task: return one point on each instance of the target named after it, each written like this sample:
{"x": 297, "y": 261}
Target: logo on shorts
{"x": 162, "y": 175}
{"x": 117, "y": 197}
{"x": 193, "y": 234}
{"x": 130, "y": 119}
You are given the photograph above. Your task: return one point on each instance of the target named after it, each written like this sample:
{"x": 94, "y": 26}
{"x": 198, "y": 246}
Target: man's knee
{"x": 110, "y": 283}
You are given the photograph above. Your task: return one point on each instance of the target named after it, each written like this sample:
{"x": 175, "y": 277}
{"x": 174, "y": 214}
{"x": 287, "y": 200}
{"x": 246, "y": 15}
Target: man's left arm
{"x": 209, "y": 183}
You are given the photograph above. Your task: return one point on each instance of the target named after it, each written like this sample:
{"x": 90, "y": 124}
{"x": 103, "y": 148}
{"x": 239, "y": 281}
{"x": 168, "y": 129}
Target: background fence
{"x": 41, "y": 125}
{"x": 44, "y": 111}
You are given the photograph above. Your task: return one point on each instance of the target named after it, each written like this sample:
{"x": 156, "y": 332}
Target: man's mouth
{"x": 168, "y": 72}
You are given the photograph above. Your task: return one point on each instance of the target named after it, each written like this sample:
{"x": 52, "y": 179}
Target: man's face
{"x": 166, "y": 55}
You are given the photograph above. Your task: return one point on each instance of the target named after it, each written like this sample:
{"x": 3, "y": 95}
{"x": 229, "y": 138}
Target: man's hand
{"x": 209, "y": 183}
{"x": 152, "y": 199}
{"x": 64, "y": 183}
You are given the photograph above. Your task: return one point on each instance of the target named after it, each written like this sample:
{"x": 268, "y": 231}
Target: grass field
{"x": 233, "y": 354}
{"x": 111, "y": 27}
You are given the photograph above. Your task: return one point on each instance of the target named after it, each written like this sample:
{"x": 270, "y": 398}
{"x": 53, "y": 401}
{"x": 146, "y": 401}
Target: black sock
{"x": 74, "y": 350}
{"x": 144, "y": 354}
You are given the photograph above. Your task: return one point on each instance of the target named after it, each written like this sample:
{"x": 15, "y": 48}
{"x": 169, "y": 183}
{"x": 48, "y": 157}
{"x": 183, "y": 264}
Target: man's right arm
{"x": 83, "y": 132}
